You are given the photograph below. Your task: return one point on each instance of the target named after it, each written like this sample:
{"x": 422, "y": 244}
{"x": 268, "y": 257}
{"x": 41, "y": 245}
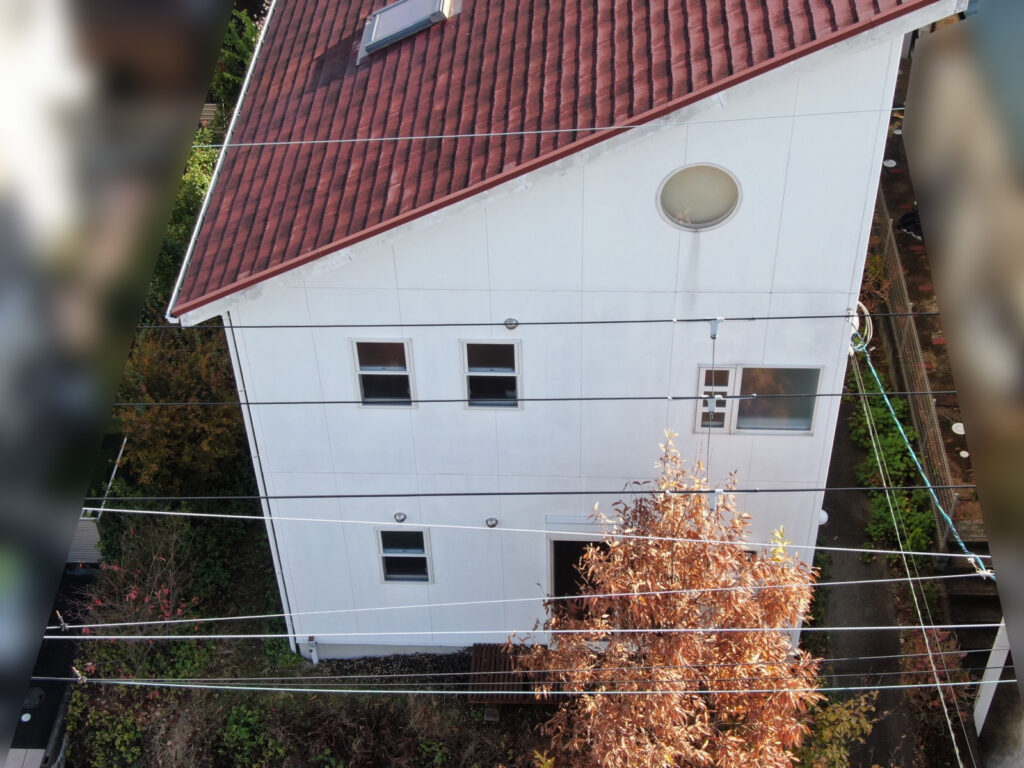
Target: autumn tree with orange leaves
{"x": 717, "y": 696}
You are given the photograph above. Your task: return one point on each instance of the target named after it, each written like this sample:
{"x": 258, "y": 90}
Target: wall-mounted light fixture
{"x": 511, "y": 323}
{"x": 491, "y": 522}
{"x": 400, "y": 517}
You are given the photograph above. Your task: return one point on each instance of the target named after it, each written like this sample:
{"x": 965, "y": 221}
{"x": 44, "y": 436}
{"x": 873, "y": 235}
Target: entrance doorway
{"x": 565, "y": 559}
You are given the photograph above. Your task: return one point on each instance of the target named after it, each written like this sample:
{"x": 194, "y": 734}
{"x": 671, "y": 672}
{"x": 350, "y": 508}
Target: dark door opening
{"x": 565, "y": 558}
{"x": 567, "y": 580}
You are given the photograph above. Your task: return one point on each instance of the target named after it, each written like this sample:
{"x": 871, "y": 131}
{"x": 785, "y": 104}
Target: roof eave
{"x": 174, "y": 312}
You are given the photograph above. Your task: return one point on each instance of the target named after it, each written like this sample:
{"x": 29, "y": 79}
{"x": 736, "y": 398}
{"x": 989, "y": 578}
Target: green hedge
{"x": 918, "y": 529}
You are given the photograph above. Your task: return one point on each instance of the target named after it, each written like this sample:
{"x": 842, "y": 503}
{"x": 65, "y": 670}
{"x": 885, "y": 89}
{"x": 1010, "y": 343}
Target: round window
{"x": 698, "y": 196}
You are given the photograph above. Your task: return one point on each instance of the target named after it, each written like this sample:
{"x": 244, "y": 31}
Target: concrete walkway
{"x": 891, "y": 742}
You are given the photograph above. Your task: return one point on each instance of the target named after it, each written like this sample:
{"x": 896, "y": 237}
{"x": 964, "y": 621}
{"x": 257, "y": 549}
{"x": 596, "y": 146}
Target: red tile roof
{"x": 511, "y": 67}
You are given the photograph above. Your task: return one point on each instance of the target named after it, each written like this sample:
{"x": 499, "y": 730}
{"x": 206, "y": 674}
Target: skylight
{"x": 399, "y": 20}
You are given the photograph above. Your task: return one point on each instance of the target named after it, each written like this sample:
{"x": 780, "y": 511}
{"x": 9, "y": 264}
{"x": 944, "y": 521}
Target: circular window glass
{"x": 698, "y": 196}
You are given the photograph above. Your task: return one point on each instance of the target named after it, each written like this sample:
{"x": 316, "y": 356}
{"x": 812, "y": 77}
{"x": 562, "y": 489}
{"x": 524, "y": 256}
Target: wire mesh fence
{"x": 907, "y": 362}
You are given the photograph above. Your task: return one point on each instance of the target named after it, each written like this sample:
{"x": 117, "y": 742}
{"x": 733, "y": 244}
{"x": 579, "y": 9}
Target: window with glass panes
{"x": 492, "y": 374}
{"x": 384, "y": 376}
{"x": 404, "y": 555}
{"x": 757, "y": 398}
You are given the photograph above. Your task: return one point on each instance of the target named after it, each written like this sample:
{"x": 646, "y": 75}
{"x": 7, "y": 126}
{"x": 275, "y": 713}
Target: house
{"x": 470, "y": 275}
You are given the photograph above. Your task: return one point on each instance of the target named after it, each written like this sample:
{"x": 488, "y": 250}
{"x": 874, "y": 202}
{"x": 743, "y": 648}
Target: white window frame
{"x": 363, "y": 403}
{"x": 732, "y": 402}
{"x": 517, "y": 373}
{"x": 704, "y": 403}
{"x": 425, "y": 555}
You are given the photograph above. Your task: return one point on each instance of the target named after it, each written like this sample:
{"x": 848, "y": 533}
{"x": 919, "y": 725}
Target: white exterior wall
{"x": 578, "y": 240}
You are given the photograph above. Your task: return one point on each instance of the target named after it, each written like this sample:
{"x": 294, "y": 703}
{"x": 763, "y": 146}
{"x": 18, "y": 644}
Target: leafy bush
{"x": 836, "y": 725}
{"x": 918, "y": 520}
{"x": 279, "y": 654}
{"x": 912, "y": 507}
{"x": 244, "y": 740}
{"x": 327, "y": 759}
{"x": 236, "y": 51}
{"x": 102, "y": 735}
{"x": 182, "y": 450}
{"x": 189, "y": 199}
{"x": 149, "y": 581}
{"x": 930, "y": 730}
{"x": 432, "y": 753}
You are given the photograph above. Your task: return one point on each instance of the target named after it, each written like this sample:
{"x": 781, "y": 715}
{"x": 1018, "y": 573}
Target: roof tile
{"x": 566, "y": 67}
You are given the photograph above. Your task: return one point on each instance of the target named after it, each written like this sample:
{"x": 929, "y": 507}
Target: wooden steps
{"x": 494, "y": 671}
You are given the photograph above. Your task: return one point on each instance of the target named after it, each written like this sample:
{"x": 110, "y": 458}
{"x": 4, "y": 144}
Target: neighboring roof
{"x": 498, "y": 66}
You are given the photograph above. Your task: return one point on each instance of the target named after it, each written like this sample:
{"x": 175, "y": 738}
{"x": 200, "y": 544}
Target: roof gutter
{"x": 702, "y": 93}
{"x": 168, "y": 315}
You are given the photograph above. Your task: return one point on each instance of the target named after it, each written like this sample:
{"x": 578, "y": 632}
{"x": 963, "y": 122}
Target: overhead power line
{"x": 440, "y": 676}
{"x": 545, "y": 677}
{"x": 658, "y": 123}
{"x": 861, "y": 346}
{"x": 442, "y": 692}
{"x": 567, "y": 399}
{"x": 528, "y": 323}
{"x": 327, "y": 636}
{"x": 883, "y": 469}
{"x": 499, "y": 601}
{"x": 471, "y": 494}
{"x": 539, "y": 531}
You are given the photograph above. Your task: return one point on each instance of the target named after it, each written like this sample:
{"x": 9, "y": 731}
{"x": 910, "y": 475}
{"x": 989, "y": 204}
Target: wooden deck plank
{"x": 494, "y": 670}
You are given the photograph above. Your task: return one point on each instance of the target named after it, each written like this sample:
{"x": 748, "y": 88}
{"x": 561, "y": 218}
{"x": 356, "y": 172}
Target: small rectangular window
{"x": 404, "y": 556}
{"x": 492, "y": 374}
{"x": 789, "y": 404}
{"x": 383, "y": 373}
{"x": 714, "y": 389}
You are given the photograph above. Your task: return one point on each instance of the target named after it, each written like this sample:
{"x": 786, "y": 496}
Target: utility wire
{"x": 498, "y": 601}
{"x": 513, "y": 672}
{"x": 419, "y": 691}
{"x": 545, "y": 531}
{"x": 861, "y": 346}
{"x": 228, "y": 135}
{"x": 535, "y": 678}
{"x": 505, "y": 673}
{"x": 326, "y": 636}
{"x": 656, "y": 123}
{"x": 883, "y": 469}
{"x": 525, "y": 323}
{"x": 896, "y": 511}
{"x": 567, "y": 399}
{"x": 636, "y": 491}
